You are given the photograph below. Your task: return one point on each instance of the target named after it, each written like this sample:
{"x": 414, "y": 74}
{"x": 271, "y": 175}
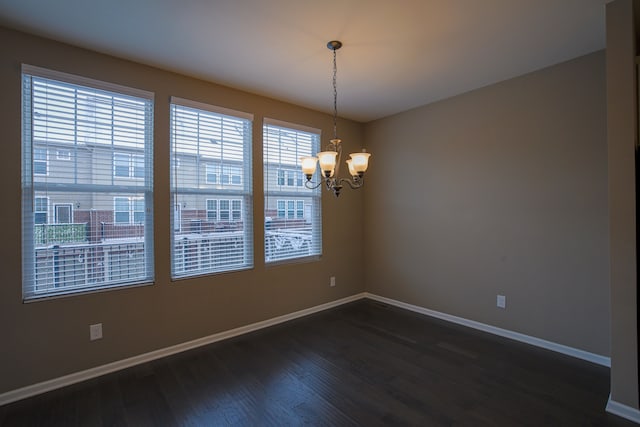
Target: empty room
{"x": 287, "y": 212}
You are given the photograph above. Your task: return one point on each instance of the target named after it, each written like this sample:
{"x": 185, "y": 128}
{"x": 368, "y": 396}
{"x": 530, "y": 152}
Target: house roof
{"x": 397, "y": 55}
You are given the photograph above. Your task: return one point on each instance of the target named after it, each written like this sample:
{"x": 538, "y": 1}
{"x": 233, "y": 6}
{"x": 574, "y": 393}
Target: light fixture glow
{"x": 308, "y": 165}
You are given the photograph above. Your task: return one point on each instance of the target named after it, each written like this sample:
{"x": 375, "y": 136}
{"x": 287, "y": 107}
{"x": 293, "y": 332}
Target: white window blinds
{"x": 87, "y": 213}
{"x": 212, "y": 218}
{"x": 293, "y": 227}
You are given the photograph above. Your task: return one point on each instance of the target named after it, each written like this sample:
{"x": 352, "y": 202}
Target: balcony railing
{"x": 86, "y": 265}
{"x": 287, "y": 243}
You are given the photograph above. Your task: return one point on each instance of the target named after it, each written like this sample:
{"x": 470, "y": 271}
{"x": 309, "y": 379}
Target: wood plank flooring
{"x": 362, "y": 364}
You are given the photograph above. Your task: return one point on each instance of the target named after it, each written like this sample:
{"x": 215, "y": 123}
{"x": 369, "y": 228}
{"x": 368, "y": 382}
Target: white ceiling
{"x": 397, "y": 54}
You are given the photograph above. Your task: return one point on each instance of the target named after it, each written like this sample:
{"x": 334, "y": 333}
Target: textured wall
{"x": 502, "y": 190}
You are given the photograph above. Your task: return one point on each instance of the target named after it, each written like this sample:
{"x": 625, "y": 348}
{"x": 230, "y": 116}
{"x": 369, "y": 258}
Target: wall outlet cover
{"x": 501, "y": 301}
{"x": 95, "y": 332}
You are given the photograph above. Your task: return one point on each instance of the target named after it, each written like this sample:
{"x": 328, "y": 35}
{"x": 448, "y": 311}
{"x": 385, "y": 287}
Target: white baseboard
{"x": 570, "y": 351}
{"x": 76, "y": 377}
{"x": 624, "y": 411}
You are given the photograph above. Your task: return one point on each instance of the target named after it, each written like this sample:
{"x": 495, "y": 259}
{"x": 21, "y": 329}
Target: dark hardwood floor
{"x": 360, "y": 364}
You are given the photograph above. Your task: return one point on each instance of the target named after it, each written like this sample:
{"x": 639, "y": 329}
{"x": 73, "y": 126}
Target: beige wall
{"x": 621, "y": 135}
{"x": 44, "y": 340}
{"x": 502, "y": 190}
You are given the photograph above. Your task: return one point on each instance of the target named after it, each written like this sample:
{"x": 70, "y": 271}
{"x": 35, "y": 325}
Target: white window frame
{"x": 61, "y": 205}
{"x": 40, "y": 211}
{"x": 286, "y": 203}
{"x": 287, "y": 238}
{"x": 231, "y": 173}
{"x": 45, "y": 161}
{"x": 212, "y": 214}
{"x": 134, "y": 164}
{"x": 63, "y": 154}
{"x": 121, "y": 161}
{"x": 130, "y": 209}
{"x": 219, "y": 141}
{"x": 213, "y": 171}
{"x": 37, "y": 84}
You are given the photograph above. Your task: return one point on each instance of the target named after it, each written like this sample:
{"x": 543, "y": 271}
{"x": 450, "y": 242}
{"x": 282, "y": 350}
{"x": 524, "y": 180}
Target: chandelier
{"x": 329, "y": 159}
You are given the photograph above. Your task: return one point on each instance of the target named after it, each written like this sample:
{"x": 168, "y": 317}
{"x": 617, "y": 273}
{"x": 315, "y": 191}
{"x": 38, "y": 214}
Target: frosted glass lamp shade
{"x": 327, "y": 161}
{"x": 352, "y": 171}
{"x": 360, "y": 162}
{"x": 308, "y": 165}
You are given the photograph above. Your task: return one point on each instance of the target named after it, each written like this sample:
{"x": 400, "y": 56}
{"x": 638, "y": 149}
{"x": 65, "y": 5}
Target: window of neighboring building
{"x": 231, "y": 175}
{"x": 128, "y": 165}
{"x": 137, "y": 166}
{"x": 212, "y": 210}
{"x": 290, "y": 178}
{"x": 78, "y": 245}
{"x": 40, "y": 161}
{"x": 229, "y": 210}
{"x": 121, "y": 165}
{"x": 217, "y": 144}
{"x": 224, "y": 210}
{"x": 290, "y": 209}
{"x": 236, "y": 210}
{"x": 40, "y": 210}
{"x": 293, "y": 228}
{"x": 212, "y": 174}
{"x": 64, "y": 213}
{"x": 121, "y": 210}
{"x": 63, "y": 154}
{"x": 128, "y": 210}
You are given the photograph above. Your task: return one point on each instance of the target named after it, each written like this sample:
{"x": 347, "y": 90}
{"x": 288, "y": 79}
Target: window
{"x": 128, "y": 165}
{"x": 232, "y": 175}
{"x": 128, "y": 210}
{"x": 40, "y": 210}
{"x": 121, "y": 165}
{"x": 290, "y": 209}
{"x": 63, "y": 155}
{"x": 224, "y": 210}
{"x": 82, "y": 243}
{"x": 212, "y": 210}
{"x": 40, "y": 163}
{"x": 212, "y": 174}
{"x": 290, "y": 178}
{"x": 299, "y": 209}
{"x": 293, "y": 228}
{"x": 215, "y": 147}
{"x": 137, "y": 164}
{"x": 236, "y": 210}
{"x": 64, "y": 213}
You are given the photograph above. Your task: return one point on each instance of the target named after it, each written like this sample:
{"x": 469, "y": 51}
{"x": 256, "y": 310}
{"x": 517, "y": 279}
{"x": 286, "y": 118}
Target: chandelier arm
{"x": 353, "y": 184}
{"x": 312, "y": 186}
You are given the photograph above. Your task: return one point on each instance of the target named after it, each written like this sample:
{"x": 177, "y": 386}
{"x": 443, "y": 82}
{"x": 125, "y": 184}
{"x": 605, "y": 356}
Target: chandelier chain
{"x": 335, "y": 97}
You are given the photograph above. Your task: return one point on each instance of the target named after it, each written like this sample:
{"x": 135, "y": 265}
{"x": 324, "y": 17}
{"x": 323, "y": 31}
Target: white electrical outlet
{"x": 332, "y": 281}
{"x": 501, "y": 301}
{"x": 95, "y": 332}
